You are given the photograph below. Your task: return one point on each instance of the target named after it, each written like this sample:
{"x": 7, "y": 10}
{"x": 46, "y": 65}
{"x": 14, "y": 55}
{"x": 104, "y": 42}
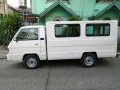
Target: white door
{"x": 27, "y": 42}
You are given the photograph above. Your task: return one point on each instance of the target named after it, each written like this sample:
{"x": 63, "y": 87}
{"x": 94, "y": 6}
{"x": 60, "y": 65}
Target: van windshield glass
{"x": 28, "y": 34}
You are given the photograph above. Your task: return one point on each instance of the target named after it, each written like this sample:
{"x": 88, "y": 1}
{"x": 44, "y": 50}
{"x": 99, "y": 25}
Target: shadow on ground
{"x": 63, "y": 63}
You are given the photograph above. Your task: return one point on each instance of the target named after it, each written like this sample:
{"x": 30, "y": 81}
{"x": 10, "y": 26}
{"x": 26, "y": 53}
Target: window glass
{"x": 89, "y": 30}
{"x": 107, "y": 30}
{"x": 60, "y": 31}
{"x": 97, "y": 29}
{"x": 104, "y": 1}
{"x": 28, "y": 34}
{"x": 57, "y": 0}
{"x": 67, "y": 30}
{"x": 101, "y": 30}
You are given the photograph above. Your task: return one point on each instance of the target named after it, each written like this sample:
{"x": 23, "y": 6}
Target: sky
{"x": 15, "y": 3}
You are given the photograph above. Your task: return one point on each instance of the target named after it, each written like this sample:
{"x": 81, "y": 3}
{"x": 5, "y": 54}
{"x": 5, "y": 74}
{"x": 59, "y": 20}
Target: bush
{"x": 75, "y": 18}
{"x": 8, "y": 27}
{"x": 118, "y": 47}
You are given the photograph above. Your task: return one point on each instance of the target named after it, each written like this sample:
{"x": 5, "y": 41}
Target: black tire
{"x": 31, "y": 62}
{"x": 88, "y": 60}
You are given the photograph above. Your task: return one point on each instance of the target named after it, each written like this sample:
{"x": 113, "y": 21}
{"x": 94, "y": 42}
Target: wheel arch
{"x": 91, "y": 53}
{"x": 29, "y": 54}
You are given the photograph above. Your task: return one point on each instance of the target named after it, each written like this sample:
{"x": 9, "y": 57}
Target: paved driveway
{"x": 61, "y": 75}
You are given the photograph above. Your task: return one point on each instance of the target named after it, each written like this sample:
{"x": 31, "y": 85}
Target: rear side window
{"x": 67, "y": 30}
{"x": 97, "y": 29}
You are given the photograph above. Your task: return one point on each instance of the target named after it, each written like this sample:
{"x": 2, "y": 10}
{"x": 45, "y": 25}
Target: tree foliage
{"x": 9, "y": 25}
{"x": 75, "y": 18}
{"x": 118, "y": 46}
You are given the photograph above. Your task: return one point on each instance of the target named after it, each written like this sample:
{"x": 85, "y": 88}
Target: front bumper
{"x": 14, "y": 57}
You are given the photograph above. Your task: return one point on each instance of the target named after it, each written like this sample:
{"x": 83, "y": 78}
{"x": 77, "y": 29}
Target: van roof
{"x": 59, "y": 22}
{"x": 87, "y": 21}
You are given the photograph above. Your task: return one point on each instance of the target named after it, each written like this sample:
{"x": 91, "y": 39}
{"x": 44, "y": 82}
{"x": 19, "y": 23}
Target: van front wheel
{"x": 88, "y": 60}
{"x": 31, "y": 61}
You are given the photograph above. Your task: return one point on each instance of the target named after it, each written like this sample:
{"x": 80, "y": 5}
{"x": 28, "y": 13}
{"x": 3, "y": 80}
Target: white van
{"x": 84, "y": 40}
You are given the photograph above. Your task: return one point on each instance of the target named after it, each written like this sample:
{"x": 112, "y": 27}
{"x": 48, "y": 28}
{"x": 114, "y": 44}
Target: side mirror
{"x": 17, "y": 39}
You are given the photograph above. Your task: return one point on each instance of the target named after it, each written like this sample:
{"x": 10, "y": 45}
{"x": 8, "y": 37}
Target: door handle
{"x": 41, "y": 38}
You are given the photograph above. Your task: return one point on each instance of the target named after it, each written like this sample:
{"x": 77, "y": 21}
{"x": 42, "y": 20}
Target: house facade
{"x": 63, "y": 10}
{"x": 5, "y": 8}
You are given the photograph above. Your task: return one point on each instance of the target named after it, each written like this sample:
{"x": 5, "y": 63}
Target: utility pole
{"x": 23, "y": 6}
{"x": 4, "y": 7}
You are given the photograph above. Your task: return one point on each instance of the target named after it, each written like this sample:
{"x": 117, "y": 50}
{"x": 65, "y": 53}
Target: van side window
{"x": 97, "y": 29}
{"x": 67, "y": 30}
{"x": 28, "y": 34}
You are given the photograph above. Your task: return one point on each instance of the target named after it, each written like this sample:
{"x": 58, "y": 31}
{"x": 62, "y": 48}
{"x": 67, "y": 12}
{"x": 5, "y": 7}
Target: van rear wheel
{"x": 31, "y": 62}
{"x": 88, "y": 60}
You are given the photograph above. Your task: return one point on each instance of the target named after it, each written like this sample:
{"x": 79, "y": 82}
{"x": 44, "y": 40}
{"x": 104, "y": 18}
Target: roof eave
{"x": 107, "y": 8}
{"x": 56, "y": 4}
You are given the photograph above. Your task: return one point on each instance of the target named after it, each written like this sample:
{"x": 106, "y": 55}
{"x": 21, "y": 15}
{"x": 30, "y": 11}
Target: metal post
{"x": 23, "y": 15}
{"x": 4, "y": 6}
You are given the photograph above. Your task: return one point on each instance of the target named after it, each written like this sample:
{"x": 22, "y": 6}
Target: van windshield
{"x": 28, "y": 34}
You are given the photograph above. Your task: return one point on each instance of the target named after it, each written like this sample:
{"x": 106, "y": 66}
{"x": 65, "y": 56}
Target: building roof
{"x": 56, "y": 4}
{"x": 114, "y": 3}
{"x": 15, "y": 9}
{"x": 12, "y": 8}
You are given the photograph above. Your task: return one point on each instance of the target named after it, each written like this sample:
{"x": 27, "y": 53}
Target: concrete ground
{"x": 61, "y": 75}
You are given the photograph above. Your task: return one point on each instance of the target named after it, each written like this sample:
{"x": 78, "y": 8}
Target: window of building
{"x": 58, "y": 18}
{"x": 28, "y": 34}
{"x": 97, "y": 29}
{"x": 104, "y": 1}
{"x": 58, "y": 0}
{"x": 67, "y": 30}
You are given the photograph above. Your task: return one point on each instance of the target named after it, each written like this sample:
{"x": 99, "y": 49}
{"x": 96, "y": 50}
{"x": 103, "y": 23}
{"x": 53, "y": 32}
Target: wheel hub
{"x": 31, "y": 62}
{"x": 89, "y": 60}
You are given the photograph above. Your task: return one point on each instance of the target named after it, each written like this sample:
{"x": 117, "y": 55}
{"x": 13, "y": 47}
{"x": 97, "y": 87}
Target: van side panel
{"x": 74, "y": 47}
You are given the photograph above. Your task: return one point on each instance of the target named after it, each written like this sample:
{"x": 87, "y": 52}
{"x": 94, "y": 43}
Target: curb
{"x": 3, "y": 52}
{"x": 3, "y": 56}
